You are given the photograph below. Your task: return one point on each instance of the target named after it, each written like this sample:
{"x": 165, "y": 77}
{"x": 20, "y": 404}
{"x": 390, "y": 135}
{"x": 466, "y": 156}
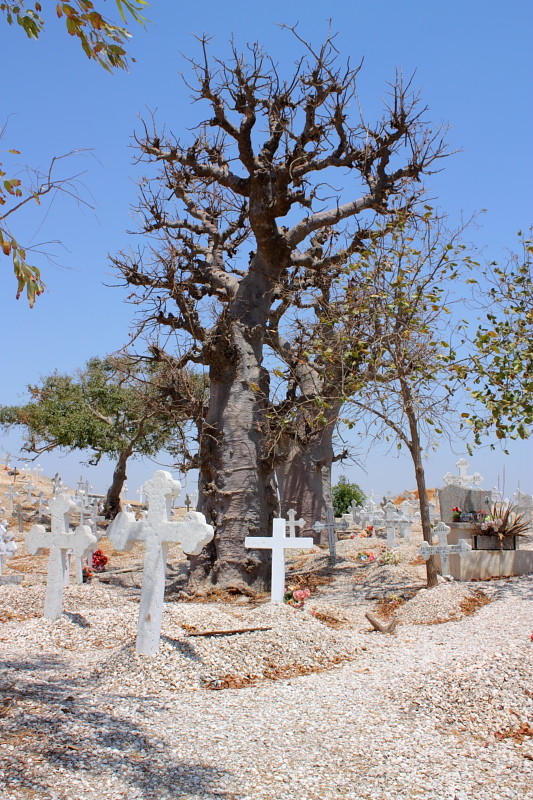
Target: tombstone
{"x": 28, "y": 488}
{"x": 7, "y": 544}
{"x": 470, "y": 501}
{"x": 41, "y": 500}
{"x": 391, "y": 521}
{"x": 443, "y": 549}
{"x": 407, "y": 509}
{"x": 156, "y": 531}
{"x": 19, "y": 513}
{"x": 355, "y": 511}
{"x": 331, "y": 527}
{"x": 431, "y": 512}
{"x": 57, "y": 483}
{"x": 524, "y": 505}
{"x": 293, "y": 523}
{"x": 37, "y": 471}
{"x": 61, "y": 541}
{"x": 463, "y": 479}
{"x": 11, "y": 494}
{"x": 496, "y": 494}
{"x": 190, "y": 499}
{"x": 278, "y": 543}
{"x": 404, "y": 528}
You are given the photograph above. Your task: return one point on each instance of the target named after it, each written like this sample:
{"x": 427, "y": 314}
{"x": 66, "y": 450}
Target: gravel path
{"x": 435, "y": 712}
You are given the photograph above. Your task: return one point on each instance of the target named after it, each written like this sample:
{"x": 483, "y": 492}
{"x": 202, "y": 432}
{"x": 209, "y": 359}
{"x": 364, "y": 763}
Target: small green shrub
{"x": 343, "y": 494}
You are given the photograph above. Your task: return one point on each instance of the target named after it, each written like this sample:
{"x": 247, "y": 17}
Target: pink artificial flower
{"x": 301, "y": 594}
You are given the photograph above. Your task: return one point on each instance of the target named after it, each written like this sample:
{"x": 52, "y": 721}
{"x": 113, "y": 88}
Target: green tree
{"x": 344, "y": 494}
{"x": 114, "y": 407}
{"x": 102, "y": 40}
{"x": 501, "y": 369}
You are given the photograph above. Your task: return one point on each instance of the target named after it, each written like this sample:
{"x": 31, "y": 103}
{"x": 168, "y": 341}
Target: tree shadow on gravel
{"x": 516, "y": 590}
{"x": 65, "y": 729}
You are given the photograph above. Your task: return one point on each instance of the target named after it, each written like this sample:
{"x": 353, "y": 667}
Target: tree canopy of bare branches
{"x": 239, "y": 220}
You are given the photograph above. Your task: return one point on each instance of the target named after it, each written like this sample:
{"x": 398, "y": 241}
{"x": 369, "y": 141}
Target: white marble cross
{"x": 7, "y": 544}
{"x": 293, "y": 523}
{"x": 391, "y": 521}
{"x": 11, "y": 494}
{"x": 443, "y": 549}
{"x": 61, "y": 541}
{"x": 28, "y": 488}
{"x": 156, "y": 531}
{"x": 278, "y": 543}
{"x": 56, "y": 483}
{"x": 404, "y": 527}
{"x": 463, "y": 479}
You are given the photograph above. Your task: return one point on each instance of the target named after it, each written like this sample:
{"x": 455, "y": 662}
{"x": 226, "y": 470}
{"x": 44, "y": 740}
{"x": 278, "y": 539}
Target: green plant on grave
{"x": 343, "y": 494}
{"x": 390, "y": 557}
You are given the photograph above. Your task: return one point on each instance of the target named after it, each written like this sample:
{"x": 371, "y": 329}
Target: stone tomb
{"x": 468, "y": 500}
{"x": 61, "y": 541}
{"x": 156, "y": 531}
{"x": 278, "y": 543}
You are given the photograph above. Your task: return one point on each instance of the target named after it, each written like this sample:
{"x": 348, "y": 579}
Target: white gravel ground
{"x": 433, "y": 712}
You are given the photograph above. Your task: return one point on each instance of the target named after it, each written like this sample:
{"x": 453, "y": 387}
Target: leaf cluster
{"x": 101, "y": 39}
{"x": 111, "y": 407}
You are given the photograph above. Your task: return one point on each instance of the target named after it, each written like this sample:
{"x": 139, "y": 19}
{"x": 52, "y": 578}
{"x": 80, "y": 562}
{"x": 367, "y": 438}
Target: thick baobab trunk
{"x": 236, "y": 480}
{"x": 112, "y": 500}
{"x": 303, "y": 475}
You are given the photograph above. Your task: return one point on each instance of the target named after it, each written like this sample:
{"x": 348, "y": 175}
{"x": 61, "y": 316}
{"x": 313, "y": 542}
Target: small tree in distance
{"x": 113, "y": 407}
{"x": 344, "y": 494}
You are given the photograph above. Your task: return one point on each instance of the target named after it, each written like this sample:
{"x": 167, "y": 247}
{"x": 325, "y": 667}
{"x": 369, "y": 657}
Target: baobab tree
{"x": 240, "y": 216}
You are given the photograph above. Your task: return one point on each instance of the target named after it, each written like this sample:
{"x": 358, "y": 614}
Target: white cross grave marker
{"x": 61, "y": 541}
{"x": 443, "y": 549}
{"x": 11, "y": 494}
{"x": 156, "y": 531}
{"x": 7, "y": 544}
{"x": 293, "y": 523}
{"x": 332, "y": 527}
{"x": 391, "y": 520}
{"x": 56, "y": 483}
{"x": 278, "y": 543}
{"x": 463, "y": 479}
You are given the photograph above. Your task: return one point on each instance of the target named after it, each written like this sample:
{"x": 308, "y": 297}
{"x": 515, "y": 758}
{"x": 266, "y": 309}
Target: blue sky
{"x": 471, "y": 61}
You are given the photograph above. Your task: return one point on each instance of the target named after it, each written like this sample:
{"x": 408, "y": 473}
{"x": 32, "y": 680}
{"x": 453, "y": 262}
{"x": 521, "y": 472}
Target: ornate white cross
{"x": 391, "y": 521}
{"x": 61, "y": 541}
{"x": 463, "y": 479}
{"x": 293, "y": 523}
{"x": 156, "y": 531}
{"x": 443, "y": 549}
{"x": 278, "y": 543}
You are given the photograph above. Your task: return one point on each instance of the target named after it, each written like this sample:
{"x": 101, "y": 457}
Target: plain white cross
{"x": 61, "y": 541}
{"x": 293, "y": 523}
{"x": 156, "y": 531}
{"x": 278, "y": 543}
{"x": 443, "y": 549}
